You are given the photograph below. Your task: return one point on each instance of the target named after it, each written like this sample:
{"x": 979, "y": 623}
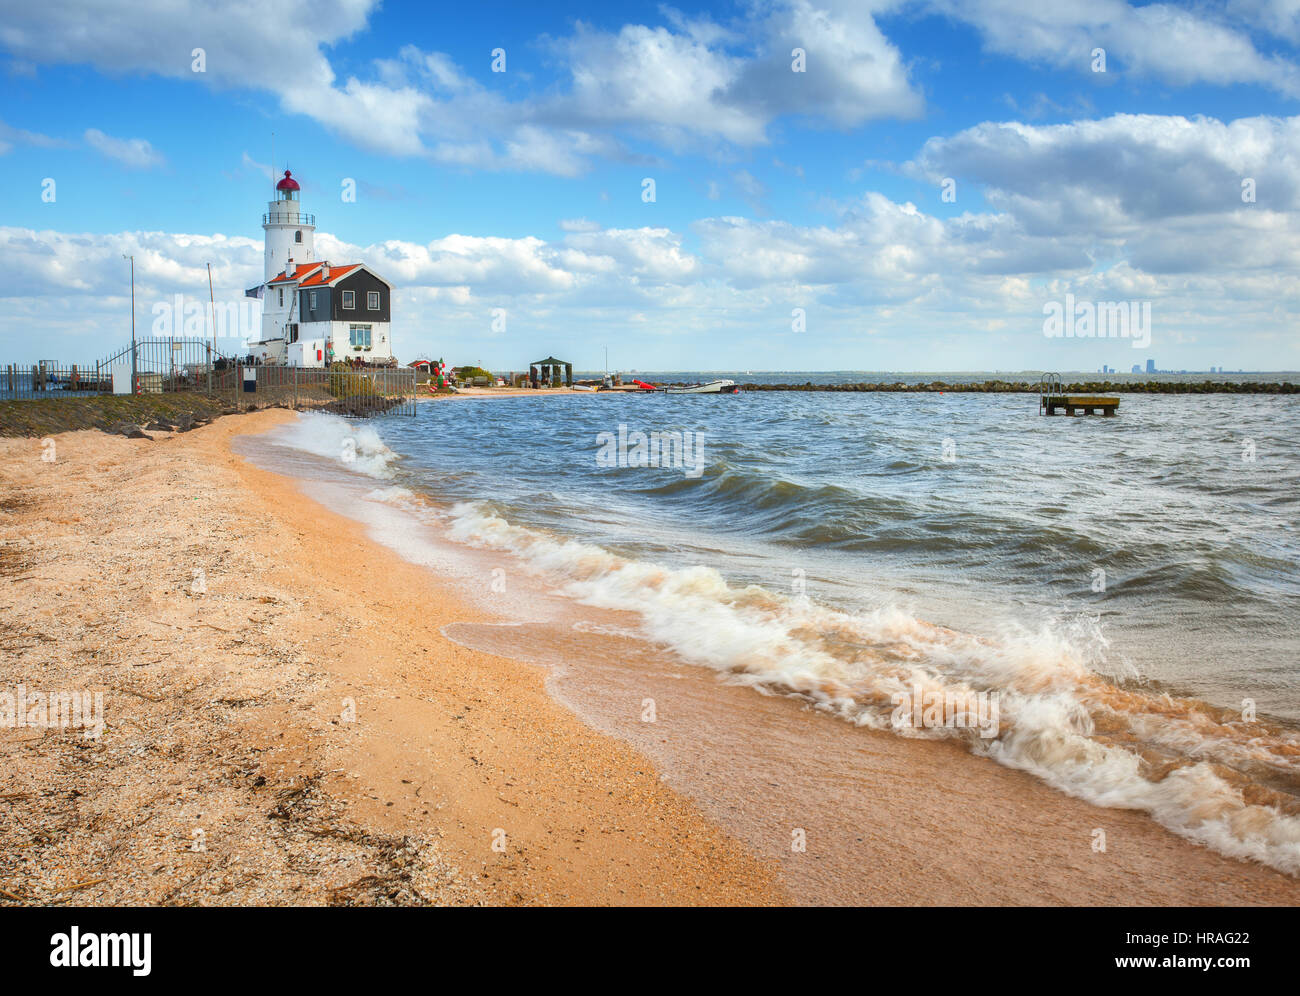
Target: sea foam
{"x": 1058, "y": 719}
{"x": 357, "y": 447}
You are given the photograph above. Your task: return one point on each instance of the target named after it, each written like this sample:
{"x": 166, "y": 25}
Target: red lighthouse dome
{"x": 288, "y": 183}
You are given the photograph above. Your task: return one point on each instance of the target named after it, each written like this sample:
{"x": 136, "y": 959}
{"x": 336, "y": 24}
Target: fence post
{"x": 295, "y": 388}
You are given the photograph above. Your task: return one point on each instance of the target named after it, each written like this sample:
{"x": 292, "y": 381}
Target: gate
{"x": 165, "y": 365}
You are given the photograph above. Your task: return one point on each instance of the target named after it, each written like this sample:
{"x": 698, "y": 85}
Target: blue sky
{"x": 775, "y": 190}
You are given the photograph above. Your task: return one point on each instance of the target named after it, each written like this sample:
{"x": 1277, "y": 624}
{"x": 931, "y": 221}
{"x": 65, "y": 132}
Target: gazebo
{"x": 549, "y": 368}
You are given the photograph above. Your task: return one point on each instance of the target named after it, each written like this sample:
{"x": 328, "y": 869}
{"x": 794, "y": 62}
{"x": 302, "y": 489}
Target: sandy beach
{"x": 228, "y": 771}
{"x": 285, "y": 723}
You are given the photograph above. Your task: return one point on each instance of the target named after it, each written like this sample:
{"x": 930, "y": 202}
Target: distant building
{"x": 1151, "y": 366}
{"x": 1136, "y": 369}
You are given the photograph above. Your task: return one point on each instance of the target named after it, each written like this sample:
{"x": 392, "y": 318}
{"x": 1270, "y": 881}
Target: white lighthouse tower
{"x": 290, "y": 234}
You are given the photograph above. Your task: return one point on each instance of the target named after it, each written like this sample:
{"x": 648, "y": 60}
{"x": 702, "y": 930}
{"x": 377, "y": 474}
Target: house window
{"x": 297, "y": 236}
{"x": 349, "y": 300}
{"x": 372, "y": 300}
{"x": 359, "y": 336}
{"x": 313, "y": 300}
{"x": 281, "y": 297}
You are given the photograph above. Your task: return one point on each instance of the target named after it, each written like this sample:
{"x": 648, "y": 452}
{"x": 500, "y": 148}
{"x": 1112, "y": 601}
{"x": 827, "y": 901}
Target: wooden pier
{"x": 1074, "y": 404}
{"x": 1053, "y": 399}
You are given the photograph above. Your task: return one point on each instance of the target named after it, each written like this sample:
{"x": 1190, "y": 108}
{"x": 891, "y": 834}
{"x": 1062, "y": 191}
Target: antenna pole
{"x": 213, "y": 305}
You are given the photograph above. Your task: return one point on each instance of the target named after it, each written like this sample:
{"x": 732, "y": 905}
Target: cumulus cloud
{"x": 697, "y": 80}
{"x": 1182, "y": 45}
{"x": 686, "y": 80}
{"x": 1146, "y": 184}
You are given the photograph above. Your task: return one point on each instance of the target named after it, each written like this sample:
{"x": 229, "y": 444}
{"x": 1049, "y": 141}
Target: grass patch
{"x": 49, "y": 416}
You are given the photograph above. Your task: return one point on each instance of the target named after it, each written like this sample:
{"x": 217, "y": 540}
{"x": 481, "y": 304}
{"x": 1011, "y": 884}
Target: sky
{"x": 869, "y": 185}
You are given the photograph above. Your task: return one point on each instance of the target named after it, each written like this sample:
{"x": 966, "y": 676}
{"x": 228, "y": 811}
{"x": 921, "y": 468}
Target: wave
{"x": 357, "y": 447}
{"x": 1029, "y": 698}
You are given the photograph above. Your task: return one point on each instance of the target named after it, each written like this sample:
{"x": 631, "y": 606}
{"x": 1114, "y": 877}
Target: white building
{"x": 315, "y": 312}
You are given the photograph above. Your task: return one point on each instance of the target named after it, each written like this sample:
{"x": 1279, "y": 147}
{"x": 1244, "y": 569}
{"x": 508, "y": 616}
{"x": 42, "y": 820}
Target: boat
{"x": 712, "y": 387}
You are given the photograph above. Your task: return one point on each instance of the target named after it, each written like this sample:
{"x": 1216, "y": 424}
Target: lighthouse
{"x": 315, "y": 312}
{"x": 290, "y": 234}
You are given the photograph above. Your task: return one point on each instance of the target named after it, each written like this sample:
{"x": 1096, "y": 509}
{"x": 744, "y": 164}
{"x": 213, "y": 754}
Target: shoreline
{"x": 761, "y": 765}
{"x": 450, "y": 744}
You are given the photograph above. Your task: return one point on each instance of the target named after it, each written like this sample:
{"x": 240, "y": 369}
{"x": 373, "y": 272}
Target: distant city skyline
{"x": 789, "y": 185}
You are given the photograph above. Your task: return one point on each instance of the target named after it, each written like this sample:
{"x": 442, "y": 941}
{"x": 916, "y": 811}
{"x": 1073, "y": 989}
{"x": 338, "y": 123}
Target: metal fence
{"x": 157, "y": 366}
{"x": 50, "y": 379}
{"x": 356, "y": 392}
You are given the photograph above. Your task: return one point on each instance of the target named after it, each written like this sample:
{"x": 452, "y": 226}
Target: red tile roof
{"x": 300, "y": 270}
{"x": 303, "y": 272}
{"x": 308, "y": 275}
{"x": 318, "y": 279}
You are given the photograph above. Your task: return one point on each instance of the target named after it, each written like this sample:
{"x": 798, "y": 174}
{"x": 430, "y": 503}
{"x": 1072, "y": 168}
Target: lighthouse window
{"x": 372, "y": 300}
{"x": 281, "y": 297}
{"x": 297, "y": 236}
{"x": 349, "y": 300}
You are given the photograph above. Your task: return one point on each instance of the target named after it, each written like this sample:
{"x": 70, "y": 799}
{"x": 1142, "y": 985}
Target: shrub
{"x": 349, "y": 382}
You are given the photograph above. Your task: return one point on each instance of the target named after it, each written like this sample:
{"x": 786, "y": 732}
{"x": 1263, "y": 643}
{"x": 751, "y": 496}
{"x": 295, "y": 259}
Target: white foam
{"x": 392, "y": 495}
{"x": 853, "y": 664}
{"x": 356, "y": 447}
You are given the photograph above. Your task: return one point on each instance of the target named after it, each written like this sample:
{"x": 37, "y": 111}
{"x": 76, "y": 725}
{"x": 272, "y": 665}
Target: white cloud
{"x": 689, "y": 80}
{"x": 1142, "y": 183}
{"x": 1176, "y": 44}
{"x": 10, "y": 136}
{"x": 134, "y": 152}
{"x": 703, "y": 82}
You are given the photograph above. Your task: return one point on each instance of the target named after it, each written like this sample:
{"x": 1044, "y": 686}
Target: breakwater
{"x": 1031, "y": 387}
